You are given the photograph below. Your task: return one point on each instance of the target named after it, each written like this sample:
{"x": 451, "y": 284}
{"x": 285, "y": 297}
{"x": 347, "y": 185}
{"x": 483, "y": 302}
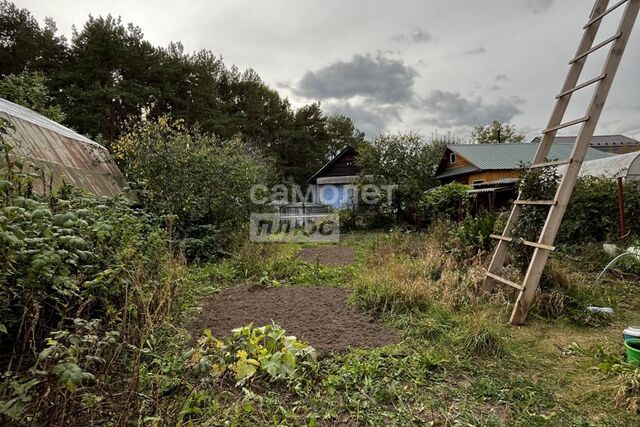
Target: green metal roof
{"x": 509, "y": 156}
{"x": 457, "y": 171}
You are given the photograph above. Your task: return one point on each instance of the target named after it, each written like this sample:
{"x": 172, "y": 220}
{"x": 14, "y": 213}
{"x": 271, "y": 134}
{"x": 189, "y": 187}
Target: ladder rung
{"x": 581, "y": 86}
{"x": 603, "y": 14}
{"x": 536, "y": 202}
{"x": 596, "y": 47}
{"x": 505, "y": 281}
{"x": 526, "y": 242}
{"x": 567, "y": 124}
{"x": 548, "y": 164}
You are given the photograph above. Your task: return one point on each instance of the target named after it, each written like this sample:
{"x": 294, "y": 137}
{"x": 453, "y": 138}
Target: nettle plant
{"x": 252, "y": 352}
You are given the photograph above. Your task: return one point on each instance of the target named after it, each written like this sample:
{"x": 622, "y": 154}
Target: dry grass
{"x": 414, "y": 271}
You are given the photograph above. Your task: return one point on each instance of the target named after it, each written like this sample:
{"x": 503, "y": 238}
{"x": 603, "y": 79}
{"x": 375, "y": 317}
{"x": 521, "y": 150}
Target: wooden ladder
{"x": 588, "y": 122}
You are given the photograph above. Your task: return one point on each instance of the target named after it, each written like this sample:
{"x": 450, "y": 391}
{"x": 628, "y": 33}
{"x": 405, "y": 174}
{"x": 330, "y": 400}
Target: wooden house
{"x": 493, "y": 170}
{"x": 334, "y": 183}
{"x": 481, "y": 164}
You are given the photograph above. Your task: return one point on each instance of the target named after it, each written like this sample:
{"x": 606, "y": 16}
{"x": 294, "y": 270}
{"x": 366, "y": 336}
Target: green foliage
{"x": 71, "y": 355}
{"x": 204, "y": 182}
{"x": 108, "y": 78}
{"x": 593, "y": 206}
{"x": 496, "y": 133}
{"x": 254, "y": 351}
{"x": 30, "y": 90}
{"x": 450, "y": 202}
{"x": 609, "y": 361}
{"x": 405, "y": 161}
{"x": 74, "y": 269}
{"x": 27, "y": 46}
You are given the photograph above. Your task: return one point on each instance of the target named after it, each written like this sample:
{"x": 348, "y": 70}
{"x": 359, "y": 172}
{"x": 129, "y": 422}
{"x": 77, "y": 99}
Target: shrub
{"x": 449, "y": 202}
{"x": 204, "y": 182}
{"x": 66, "y": 260}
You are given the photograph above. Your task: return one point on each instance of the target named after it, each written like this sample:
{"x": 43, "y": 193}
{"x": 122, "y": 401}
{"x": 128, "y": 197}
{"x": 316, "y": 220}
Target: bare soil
{"x": 319, "y": 316}
{"x": 328, "y": 255}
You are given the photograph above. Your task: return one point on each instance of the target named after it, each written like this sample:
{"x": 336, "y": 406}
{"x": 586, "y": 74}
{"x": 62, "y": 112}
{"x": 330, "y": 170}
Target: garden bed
{"x": 328, "y": 255}
{"x": 317, "y": 315}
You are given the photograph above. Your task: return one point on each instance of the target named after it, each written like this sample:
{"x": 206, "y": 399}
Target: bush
{"x": 449, "y": 202}
{"x": 204, "y": 182}
{"x": 83, "y": 282}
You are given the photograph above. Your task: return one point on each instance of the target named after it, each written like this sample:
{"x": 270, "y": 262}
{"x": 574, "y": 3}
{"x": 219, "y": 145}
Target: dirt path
{"x": 328, "y": 255}
{"x": 317, "y": 315}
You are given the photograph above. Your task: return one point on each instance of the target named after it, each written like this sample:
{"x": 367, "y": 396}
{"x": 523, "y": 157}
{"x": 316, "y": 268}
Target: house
{"x": 334, "y": 183}
{"x": 494, "y": 169}
{"x": 59, "y": 153}
{"x": 617, "y": 144}
{"x": 482, "y": 164}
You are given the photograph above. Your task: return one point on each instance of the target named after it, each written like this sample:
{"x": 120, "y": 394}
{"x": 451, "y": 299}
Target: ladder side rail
{"x": 565, "y": 189}
{"x": 588, "y": 37}
{"x": 571, "y": 81}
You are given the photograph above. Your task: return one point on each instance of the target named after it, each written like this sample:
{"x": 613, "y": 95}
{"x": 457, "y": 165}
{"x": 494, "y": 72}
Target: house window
{"x": 452, "y": 158}
{"x": 477, "y": 181}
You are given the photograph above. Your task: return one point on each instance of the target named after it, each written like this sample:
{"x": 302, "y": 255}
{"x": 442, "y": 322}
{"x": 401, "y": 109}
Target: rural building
{"x": 59, "y": 153}
{"x": 617, "y": 144}
{"x": 334, "y": 183}
{"x": 482, "y": 164}
{"x": 493, "y": 170}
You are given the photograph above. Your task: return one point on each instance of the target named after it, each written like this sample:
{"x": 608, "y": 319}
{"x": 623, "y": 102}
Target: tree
{"x": 30, "y": 90}
{"x": 496, "y": 133}
{"x": 313, "y": 139}
{"x": 25, "y": 45}
{"x": 403, "y": 160}
{"x": 109, "y": 79}
{"x": 106, "y": 87}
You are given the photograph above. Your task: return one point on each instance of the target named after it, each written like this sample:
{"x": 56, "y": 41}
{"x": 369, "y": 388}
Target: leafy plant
{"x": 254, "y": 351}
{"x": 450, "y": 202}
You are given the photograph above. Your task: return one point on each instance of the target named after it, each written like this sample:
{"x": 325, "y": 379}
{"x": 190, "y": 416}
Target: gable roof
{"x": 596, "y": 140}
{"x": 63, "y": 154}
{"x": 346, "y": 150}
{"x": 507, "y": 156}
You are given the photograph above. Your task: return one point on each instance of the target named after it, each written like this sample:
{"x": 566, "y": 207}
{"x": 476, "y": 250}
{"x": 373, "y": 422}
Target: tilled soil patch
{"x": 328, "y": 255}
{"x": 317, "y": 315}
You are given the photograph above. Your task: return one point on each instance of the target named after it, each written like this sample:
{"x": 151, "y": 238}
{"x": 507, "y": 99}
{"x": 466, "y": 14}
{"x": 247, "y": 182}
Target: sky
{"x": 404, "y": 65}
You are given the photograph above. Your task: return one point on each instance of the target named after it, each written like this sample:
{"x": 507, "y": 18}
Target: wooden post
{"x": 623, "y": 225}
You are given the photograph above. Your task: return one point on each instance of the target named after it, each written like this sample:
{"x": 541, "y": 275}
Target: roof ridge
{"x": 42, "y": 121}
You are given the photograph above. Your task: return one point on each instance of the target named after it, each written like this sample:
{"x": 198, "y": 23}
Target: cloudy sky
{"x": 421, "y": 65}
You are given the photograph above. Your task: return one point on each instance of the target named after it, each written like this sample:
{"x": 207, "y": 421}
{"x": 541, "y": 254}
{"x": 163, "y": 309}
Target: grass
{"x": 459, "y": 362}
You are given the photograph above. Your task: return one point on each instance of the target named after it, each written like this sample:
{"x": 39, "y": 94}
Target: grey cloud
{"x": 538, "y": 6}
{"x": 502, "y": 78}
{"x": 378, "y": 78}
{"x": 476, "y": 51}
{"x": 495, "y": 88}
{"x": 417, "y": 36}
{"x": 371, "y": 120}
{"x": 448, "y": 109}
